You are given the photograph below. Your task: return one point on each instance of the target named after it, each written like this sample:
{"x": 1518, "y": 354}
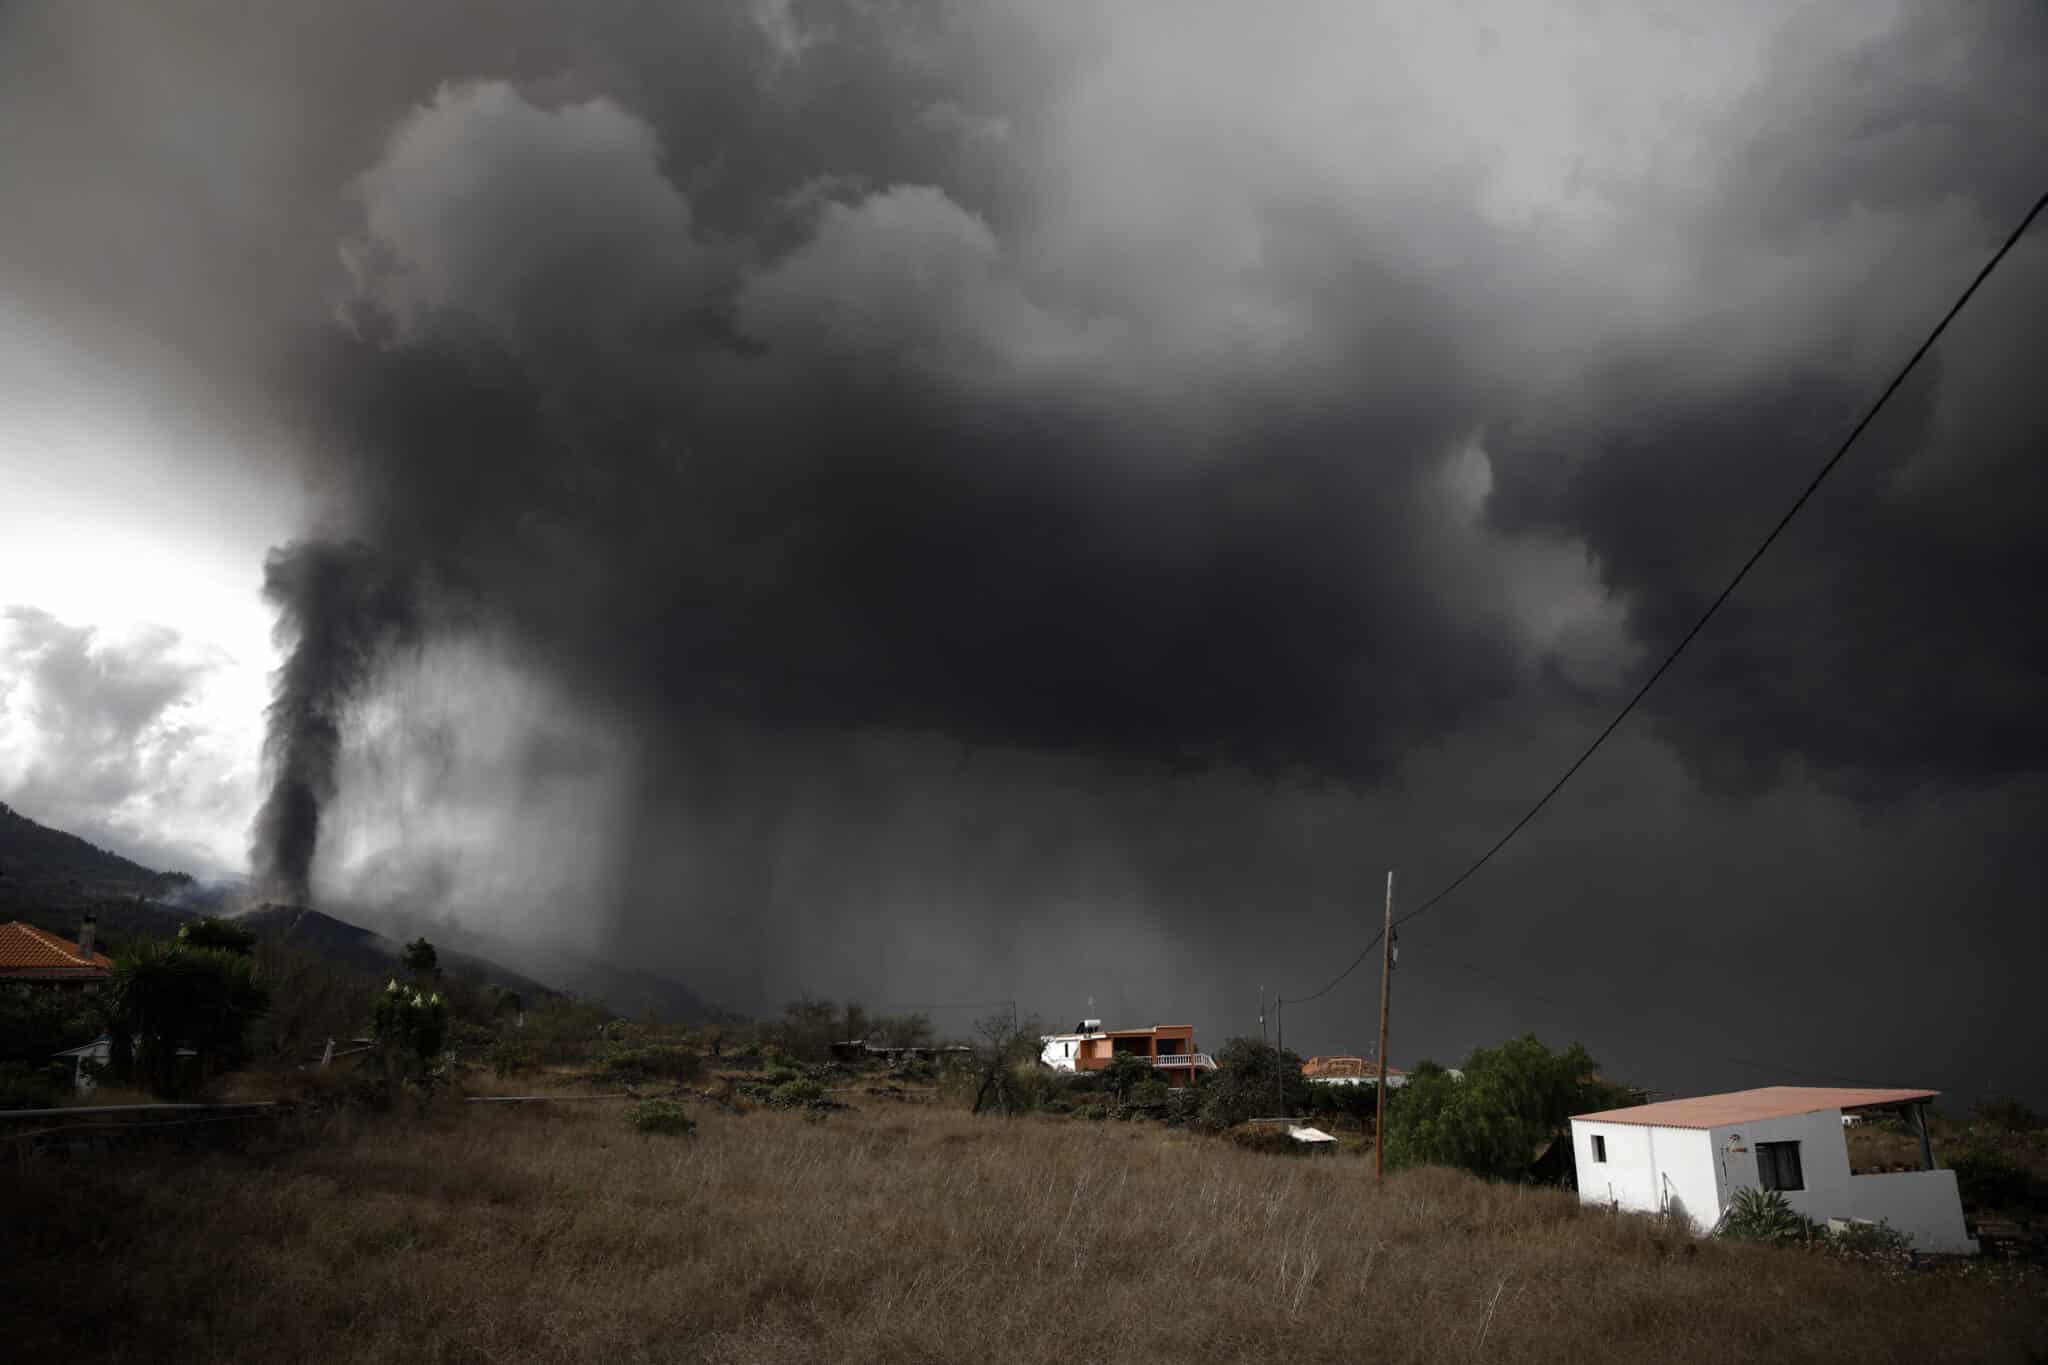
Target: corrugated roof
{"x": 1747, "y": 1106}
{"x": 32, "y": 954}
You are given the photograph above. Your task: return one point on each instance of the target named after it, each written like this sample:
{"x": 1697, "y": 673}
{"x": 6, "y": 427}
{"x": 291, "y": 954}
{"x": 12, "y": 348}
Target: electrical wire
{"x": 1713, "y": 607}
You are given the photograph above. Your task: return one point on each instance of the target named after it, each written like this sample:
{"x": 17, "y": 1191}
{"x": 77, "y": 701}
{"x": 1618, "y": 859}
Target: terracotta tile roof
{"x": 31, "y": 954}
{"x": 1747, "y": 1106}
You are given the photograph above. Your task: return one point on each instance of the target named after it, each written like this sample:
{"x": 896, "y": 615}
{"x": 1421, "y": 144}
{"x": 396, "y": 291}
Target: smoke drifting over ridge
{"x": 962, "y": 484}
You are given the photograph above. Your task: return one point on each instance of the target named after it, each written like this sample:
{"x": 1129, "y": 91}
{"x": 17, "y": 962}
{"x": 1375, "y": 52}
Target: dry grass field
{"x": 900, "y": 1232}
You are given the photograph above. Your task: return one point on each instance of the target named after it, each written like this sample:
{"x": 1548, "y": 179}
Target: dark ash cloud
{"x": 984, "y": 481}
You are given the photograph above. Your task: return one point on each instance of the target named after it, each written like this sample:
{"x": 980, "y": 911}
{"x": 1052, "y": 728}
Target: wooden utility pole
{"x": 1279, "y": 1047}
{"x": 1379, "y": 1123}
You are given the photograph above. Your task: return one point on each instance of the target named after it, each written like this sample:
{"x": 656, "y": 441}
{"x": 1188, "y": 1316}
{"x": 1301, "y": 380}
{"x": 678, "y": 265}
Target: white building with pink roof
{"x": 1689, "y": 1158}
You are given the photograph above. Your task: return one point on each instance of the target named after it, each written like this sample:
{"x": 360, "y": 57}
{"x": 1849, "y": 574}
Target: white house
{"x": 1690, "y": 1157}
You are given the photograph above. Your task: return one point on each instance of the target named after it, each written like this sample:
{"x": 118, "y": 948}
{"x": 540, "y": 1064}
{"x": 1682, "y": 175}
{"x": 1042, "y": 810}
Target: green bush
{"x": 1988, "y": 1179}
{"x": 1878, "y": 1242}
{"x": 797, "y": 1094}
{"x": 1150, "y": 1094}
{"x": 35, "y": 1024}
{"x": 411, "y": 1027}
{"x": 665, "y": 1118}
{"x": 1764, "y": 1216}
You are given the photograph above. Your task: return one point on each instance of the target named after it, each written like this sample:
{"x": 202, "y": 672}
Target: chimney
{"x": 85, "y": 936}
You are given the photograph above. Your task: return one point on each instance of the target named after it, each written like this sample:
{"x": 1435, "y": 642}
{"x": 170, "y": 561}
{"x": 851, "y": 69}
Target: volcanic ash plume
{"x": 340, "y": 607}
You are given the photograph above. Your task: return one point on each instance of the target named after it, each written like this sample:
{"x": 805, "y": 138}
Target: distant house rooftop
{"x": 29, "y": 954}
{"x": 1320, "y": 1068}
{"x": 1750, "y": 1106}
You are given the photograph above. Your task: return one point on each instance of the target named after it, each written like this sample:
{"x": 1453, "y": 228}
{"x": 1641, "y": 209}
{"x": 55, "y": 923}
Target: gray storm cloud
{"x": 1059, "y": 467}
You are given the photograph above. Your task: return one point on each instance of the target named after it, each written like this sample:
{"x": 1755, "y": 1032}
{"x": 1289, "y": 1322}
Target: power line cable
{"x": 1747, "y": 564}
{"x": 1712, "y": 608}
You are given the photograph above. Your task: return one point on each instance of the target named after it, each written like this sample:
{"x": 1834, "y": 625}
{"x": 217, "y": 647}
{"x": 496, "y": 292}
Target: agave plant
{"x": 1764, "y": 1216}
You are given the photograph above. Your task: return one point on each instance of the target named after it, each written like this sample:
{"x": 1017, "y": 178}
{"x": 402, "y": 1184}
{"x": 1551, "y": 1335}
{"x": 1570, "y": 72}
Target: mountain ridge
{"x": 52, "y": 878}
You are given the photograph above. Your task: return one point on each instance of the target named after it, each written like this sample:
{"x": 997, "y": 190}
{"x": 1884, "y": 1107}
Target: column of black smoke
{"x": 341, "y": 607}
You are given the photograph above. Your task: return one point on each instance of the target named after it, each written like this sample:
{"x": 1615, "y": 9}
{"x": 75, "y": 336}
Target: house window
{"x": 1599, "y": 1148}
{"x": 1777, "y": 1166}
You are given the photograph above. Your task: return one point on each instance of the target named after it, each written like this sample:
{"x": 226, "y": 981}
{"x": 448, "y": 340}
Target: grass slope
{"x": 902, "y": 1233}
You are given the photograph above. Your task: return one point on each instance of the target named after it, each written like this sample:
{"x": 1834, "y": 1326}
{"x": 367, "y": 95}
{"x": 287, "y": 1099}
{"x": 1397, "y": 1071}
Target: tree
{"x": 214, "y": 932}
{"x": 312, "y": 1000}
{"x": 1125, "y": 1070}
{"x": 854, "y": 1023}
{"x": 1513, "y": 1099}
{"x": 410, "y": 1027}
{"x": 163, "y": 997}
{"x": 36, "y": 1024}
{"x": 1004, "y": 1047}
{"x": 422, "y": 960}
{"x": 809, "y": 1028}
{"x": 2008, "y": 1113}
{"x": 1252, "y": 1079}
{"x": 904, "y": 1030}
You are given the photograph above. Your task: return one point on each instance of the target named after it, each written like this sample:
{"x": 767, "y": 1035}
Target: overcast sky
{"x": 949, "y": 503}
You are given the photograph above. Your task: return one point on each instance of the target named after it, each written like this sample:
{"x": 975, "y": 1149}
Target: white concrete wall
{"x": 1648, "y": 1170}
{"x": 1925, "y": 1205}
{"x": 1698, "y": 1171}
{"x": 1058, "y": 1050}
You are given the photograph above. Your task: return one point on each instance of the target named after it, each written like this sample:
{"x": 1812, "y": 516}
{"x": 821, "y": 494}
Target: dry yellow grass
{"x": 901, "y": 1233}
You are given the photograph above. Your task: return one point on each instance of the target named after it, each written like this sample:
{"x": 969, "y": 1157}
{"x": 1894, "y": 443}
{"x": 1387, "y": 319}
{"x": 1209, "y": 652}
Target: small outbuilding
{"x": 1689, "y": 1157}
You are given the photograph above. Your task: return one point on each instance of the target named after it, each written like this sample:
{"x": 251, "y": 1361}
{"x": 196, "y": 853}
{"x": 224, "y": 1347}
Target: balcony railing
{"x": 1201, "y": 1061}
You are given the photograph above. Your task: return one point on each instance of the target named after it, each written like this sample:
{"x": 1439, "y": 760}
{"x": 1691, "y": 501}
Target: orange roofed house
{"x": 32, "y": 957}
{"x": 1350, "y": 1071}
{"x": 1168, "y": 1047}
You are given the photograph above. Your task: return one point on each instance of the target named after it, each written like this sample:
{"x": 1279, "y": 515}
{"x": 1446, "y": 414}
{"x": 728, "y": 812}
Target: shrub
{"x": 1988, "y": 1179}
{"x": 662, "y": 1117}
{"x": 797, "y": 1093}
{"x": 1764, "y": 1216}
{"x": 215, "y": 932}
{"x": 35, "y": 1024}
{"x": 655, "y": 1059}
{"x": 1270, "y": 1138}
{"x": 1152, "y": 1093}
{"x": 2008, "y": 1113}
{"x": 23, "y": 1086}
{"x": 508, "y": 1058}
{"x": 1125, "y": 1072}
{"x": 1877, "y": 1242}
